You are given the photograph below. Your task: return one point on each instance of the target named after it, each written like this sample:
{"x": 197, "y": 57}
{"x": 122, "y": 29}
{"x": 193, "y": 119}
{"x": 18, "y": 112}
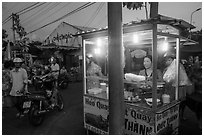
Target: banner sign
{"x": 138, "y": 122}
{"x": 96, "y": 115}
{"x": 167, "y": 121}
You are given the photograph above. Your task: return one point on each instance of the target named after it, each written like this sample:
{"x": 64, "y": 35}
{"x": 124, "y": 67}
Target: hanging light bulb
{"x": 99, "y": 42}
{"x": 165, "y": 45}
{"x": 135, "y": 38}
{"x": 97, "y": 51}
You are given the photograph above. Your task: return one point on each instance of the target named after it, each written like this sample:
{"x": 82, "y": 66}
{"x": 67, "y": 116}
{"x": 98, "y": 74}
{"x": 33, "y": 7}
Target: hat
{"x": 17, "y": 60}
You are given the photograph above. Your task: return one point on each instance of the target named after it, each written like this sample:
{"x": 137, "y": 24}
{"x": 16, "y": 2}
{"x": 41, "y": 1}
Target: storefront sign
{"x": 96, "y": 115}
{"x": 167, "y": 121}
{"x": 137, "y": 122}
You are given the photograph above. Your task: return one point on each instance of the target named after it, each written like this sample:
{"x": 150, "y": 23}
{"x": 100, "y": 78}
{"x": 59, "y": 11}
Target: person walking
{"x": 55, "y": 70}
{"x": 19, "y": 80}
{"x": 55, "y": 73}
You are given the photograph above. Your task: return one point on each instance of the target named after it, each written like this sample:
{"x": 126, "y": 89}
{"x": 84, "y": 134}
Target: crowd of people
{"x": 16, "y": 76}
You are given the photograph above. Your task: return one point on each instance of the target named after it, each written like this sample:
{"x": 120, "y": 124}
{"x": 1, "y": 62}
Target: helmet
{"x": 17, "y": 60}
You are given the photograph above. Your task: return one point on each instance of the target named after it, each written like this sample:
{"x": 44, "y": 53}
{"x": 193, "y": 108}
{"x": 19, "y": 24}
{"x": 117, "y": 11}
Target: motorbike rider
{"x": 19, "y": 80}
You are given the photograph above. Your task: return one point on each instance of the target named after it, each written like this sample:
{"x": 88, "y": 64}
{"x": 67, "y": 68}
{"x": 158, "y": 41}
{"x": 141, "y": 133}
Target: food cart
{"x": 147, "y": 110}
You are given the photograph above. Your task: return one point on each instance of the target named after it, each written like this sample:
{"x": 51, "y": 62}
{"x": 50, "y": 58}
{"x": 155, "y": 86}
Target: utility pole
{"x": 14, "y": 37}
{"x": 115, "y": 58}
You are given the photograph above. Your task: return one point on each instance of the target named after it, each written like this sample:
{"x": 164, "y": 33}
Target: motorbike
{"x": 36, "y": 105}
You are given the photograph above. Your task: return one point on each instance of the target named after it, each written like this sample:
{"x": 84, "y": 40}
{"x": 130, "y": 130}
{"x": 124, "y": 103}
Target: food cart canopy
{"x": 160, "y": 19}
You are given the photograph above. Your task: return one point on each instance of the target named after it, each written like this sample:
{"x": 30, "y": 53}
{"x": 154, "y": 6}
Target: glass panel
{"x": 96, "y": 67}
{"x": 138, "y": 68}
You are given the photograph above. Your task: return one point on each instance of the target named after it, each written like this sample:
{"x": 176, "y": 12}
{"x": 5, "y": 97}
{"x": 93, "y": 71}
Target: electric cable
{"x": 41, "y": 13}
{"x": 94, "y": 15}
{"x": 27, "y": 8}
{"x": 7, "y": 19}
{"x": 52, "y": 14}
{"x": 32, "y": 8}
{"x": 42, "y": 8}
{"x": 68, "y": 14}
{"x": 102, "y": 20}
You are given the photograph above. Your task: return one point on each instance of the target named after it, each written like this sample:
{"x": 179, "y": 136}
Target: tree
{"x": 139, "y": 5}
{"x": 4, "y": 35}
{"x": 133, "y": 5}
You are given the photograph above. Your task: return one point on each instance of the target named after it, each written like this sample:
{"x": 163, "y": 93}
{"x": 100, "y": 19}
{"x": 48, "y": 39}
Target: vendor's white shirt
{"x": 18, "y": 79}
{"x": 55, "y": 67}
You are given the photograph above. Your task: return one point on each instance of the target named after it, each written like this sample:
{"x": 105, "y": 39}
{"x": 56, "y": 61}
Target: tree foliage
{"x": 4, "y": 35}
{"x": 133, "y": 5}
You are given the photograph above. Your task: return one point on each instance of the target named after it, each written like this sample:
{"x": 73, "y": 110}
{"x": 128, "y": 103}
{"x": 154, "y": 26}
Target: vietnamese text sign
{"x": 167, "y": 121}
{"x": 96, "y": 114}
{"x": 137, "y": 122}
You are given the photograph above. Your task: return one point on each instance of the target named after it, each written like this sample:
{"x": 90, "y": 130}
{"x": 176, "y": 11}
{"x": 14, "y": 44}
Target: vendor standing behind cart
{"x": 94, "y": 71}
{"x": 184, "y": 81}
{"x": 148, "y": 69}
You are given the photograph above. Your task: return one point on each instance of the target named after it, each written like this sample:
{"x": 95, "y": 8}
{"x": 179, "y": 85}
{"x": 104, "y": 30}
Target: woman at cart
{"x": 148, "y": 69}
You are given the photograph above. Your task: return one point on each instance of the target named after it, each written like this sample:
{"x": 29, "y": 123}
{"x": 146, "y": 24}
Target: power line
{"x": 39, "y": 13}
{"x": 27, "y": 8}
{"x": 102, "y": 20}
{"x": 95, "y": 14}
{"x": 44, "y": 12}
{"x": 23, "y": 11}
{"x": 53, "y": 13}
{"x": 7, "y": 19}
{"x": 32, "y": 8}
{"x": 68, "y": 14}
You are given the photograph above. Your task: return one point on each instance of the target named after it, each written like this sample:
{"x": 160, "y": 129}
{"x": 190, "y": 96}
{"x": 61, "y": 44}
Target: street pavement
{"x": 67, "y": 122}
{"x": 70, "y": 120}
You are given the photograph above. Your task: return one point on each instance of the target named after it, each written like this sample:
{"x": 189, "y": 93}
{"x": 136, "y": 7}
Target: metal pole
{"x": 177, "y": 67}
{"x": 9, "y": 51}
{"x": 154, "y": 13}
{"x": 192, "y": 14}
{"x": 115, "y": 57}
{"x": 192, "y": 18}
{"x": 14, "y": 37}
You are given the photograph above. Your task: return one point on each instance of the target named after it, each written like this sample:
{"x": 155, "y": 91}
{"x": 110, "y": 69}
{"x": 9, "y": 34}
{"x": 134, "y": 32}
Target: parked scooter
{"x": 36, "y": 105}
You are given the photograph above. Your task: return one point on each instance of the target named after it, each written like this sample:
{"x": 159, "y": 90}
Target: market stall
{"x": 148, "y": 107}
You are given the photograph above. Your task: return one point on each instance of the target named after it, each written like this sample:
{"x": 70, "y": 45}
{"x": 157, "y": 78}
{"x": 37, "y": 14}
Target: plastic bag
{"x": 170, "y": 75}
{"x": 133, "y": 77}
